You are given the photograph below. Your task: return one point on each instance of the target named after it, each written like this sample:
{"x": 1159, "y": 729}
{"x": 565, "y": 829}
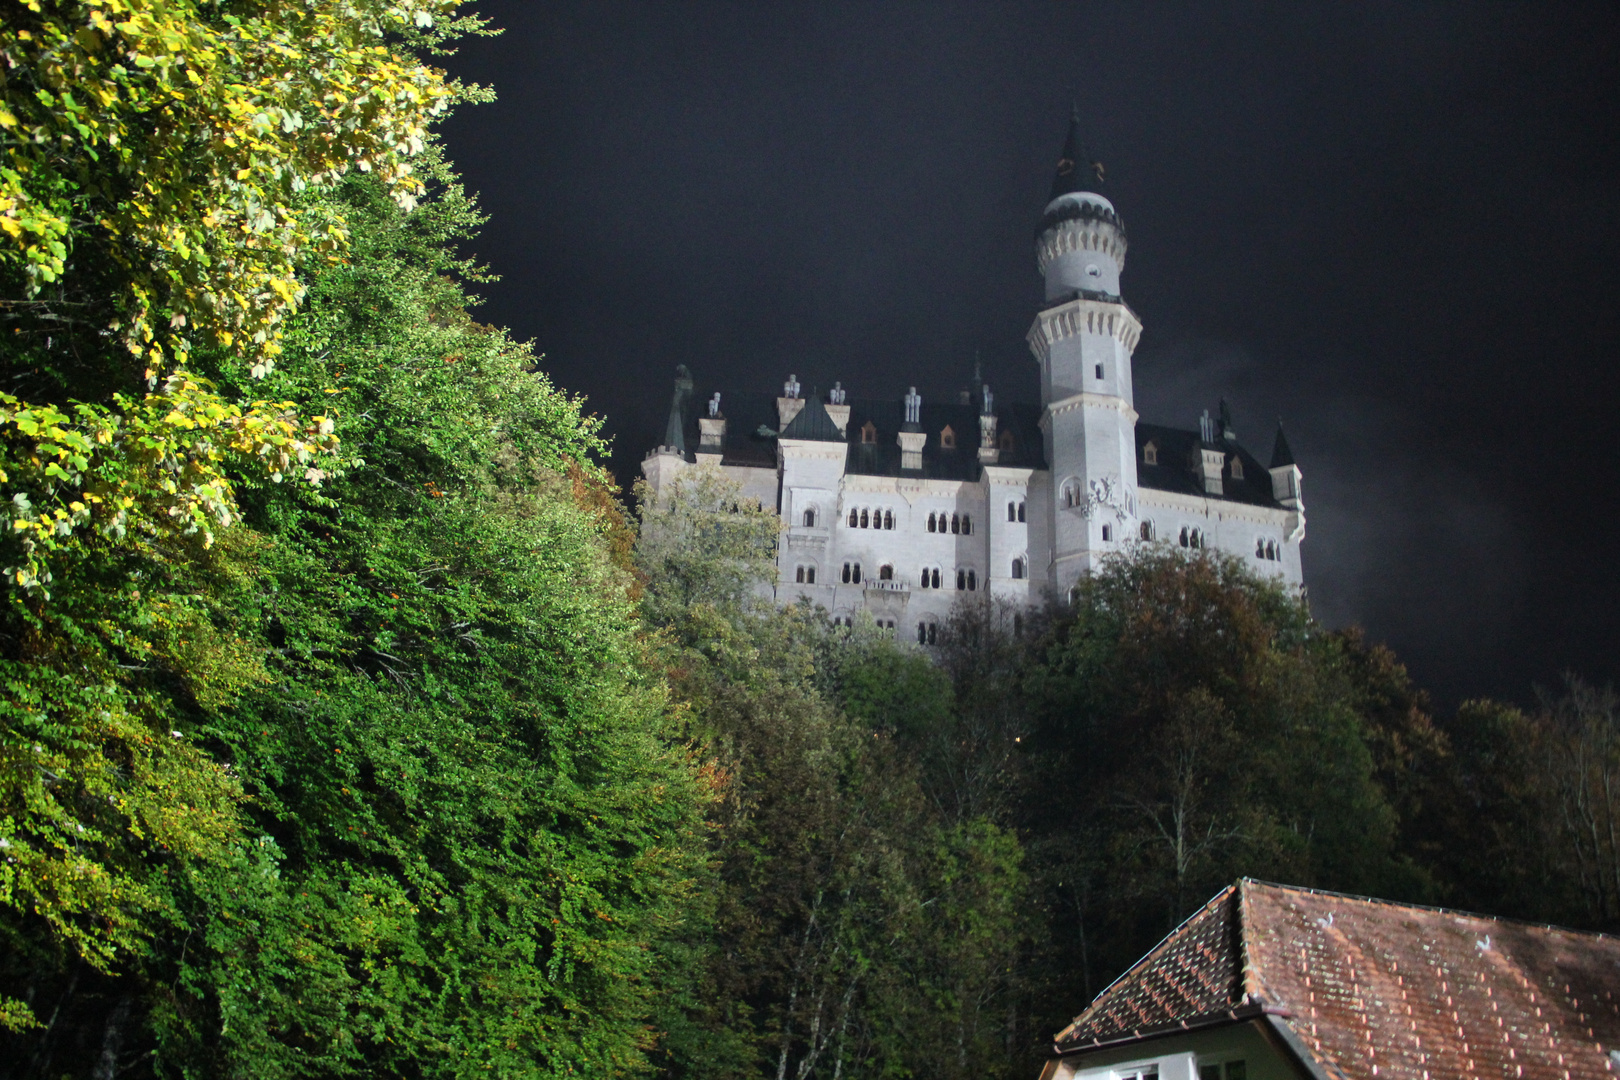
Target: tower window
{"x": 1150, "y": 454}
{"x": 888, "y": 519}
{"x": 1099, "y": 371}
{"x": 956, "y": 524}
{"x": 846, "y": 573}
{"x": 967, "y": 524}
{"x": 1182, "y": 539}
{"x": 932, "y": 522}
{"x": 1012, "y": 511}
{"x": 810, "y": 518}
{"x": 854, "y": 519}
{"x": 857, "y": 574}
{"x": 973, "y": 580}
{"x": 809, "y": 575}
{"x": 799, "y": 577}
{"x": 1020, "y": 510}
{"x": 961, "y": 581}
{"x": 866, "y": 522}
{"x": 936, "y": 577}
{"x": 1108, "y": 533}
{"x": 885, "y": 572}
{"x": 947, "y": 438}
{"x": 1018, "y": 569}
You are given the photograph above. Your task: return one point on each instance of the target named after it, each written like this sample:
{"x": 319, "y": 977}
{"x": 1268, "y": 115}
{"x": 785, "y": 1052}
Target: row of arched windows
{"x": 927, "y": 633}
{"x": 1191, "y": 538}
{"x": 805, "y": 575}
{"x": 1015, "y": 511}
{"x": 960, "y": 524}
{"x": 967, "y": 580}
{"x": 871, "y": 519}
{"x": 1267, "y": 549}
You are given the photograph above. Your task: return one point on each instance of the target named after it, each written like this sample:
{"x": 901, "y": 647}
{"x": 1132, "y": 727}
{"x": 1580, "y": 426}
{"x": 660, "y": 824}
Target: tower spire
{"x": 1076, "y": 171}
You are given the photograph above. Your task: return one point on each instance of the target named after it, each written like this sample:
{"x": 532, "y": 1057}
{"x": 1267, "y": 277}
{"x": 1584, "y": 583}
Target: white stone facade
{"x": 898, "y": 513}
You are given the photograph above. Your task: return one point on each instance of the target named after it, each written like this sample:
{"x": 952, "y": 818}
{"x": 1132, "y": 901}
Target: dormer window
{"x": 1237, "y": 467}
{"x": 1150, "y": 454}
{"x": 947, "y": 438}
{"x": 1007, "y": 442}
{"x": 869, "y": 433}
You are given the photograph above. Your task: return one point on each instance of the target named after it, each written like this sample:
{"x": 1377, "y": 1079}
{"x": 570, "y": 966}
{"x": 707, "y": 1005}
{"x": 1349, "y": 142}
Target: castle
{"x": 898, "y": 506}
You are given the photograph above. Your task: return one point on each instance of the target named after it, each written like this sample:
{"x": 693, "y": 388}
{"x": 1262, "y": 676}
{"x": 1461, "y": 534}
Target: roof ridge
{"x": 1375, "y": 901}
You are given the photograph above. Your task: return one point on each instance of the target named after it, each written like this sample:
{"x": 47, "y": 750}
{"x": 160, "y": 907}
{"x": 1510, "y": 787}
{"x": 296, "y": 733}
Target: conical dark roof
{"x": 1281, "y": 455}
{"x": 1076, "y": 171}
{"x": 813, "y": 423}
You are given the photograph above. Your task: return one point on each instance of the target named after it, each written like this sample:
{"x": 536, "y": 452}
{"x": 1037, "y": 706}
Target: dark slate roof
{"x": 751, "y": 434}
{"x": 812, "y": 423}
{"x": 1179, "y": 469}
{"x": 1280, "y": 453}
{"x": 1075, "y": 169}
{"x": 1367, "y": 988}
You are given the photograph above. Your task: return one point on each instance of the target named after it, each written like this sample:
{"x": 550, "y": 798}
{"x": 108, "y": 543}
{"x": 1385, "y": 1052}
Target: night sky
{"x": 1394, "y": 226}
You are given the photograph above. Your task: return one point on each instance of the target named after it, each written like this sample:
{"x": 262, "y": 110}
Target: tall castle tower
{"x": 1083, "y": 338}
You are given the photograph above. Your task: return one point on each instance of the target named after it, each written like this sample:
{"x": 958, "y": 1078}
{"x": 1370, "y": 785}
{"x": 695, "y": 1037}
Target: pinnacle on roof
{"x": 1076, "y": 171}
{"x": 675, "y": 432}
{"x": 1281, "y": 455}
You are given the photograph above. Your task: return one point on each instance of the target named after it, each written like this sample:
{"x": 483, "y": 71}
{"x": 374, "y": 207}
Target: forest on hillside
{"x": 354, "y": 725}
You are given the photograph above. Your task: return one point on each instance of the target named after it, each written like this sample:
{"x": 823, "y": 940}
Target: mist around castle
{"x": 357, "y": 723}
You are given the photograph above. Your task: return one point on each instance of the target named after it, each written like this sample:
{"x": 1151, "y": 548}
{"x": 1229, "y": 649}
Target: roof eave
{"x": 1236, "y": 1015}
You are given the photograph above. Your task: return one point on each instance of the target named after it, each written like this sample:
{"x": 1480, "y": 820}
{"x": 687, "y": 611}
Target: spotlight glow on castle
{"x": 896, "y": 506}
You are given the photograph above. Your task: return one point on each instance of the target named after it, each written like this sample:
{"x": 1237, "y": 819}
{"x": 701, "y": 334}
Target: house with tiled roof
{"x": 1271, "y": 982}
{"x": 895, "y": 506}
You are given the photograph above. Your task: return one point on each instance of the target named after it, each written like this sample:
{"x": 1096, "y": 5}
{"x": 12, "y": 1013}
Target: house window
{"x": 885, "y": 572}
{"x": 947, "y": 438}
{"x": 888, "y": 519}
{"x": 1145, "y": 530}
{"x": 1150, "y": 454}
{"x": 1108, "y": 533}
{"x": 810, "y": 518}
{"x": 868, "y": 434}
{"x": 1018, "y": 569}
{"x": 1237, "y": 467}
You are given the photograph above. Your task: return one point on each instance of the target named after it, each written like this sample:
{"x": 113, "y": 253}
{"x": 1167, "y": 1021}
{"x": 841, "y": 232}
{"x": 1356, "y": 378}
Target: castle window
{"x": 1007, "y": 442}
{"x": 1012, "y": 511}
{"x": 1145, "y": 530}
{"x": 1271, "y": 551}
{"x": 936, "y": 577}
{"x": 856, "y": 578}
{"x": 854, "y": 519}
{"x": 888, "y": 519}
{"x": 973, "y": 580}
{"x": 810, "y": 518}
{"x": 1183, "y": 539}
{"x": 846, "y": 573}
{"x": 1020, "y": 511}
{"x": 967, "y": 525}
{"x": 868, "y": 433}
{"x": 927, "y": 633}
{"x": 1150, "y": 454}
{"x": 924, "y": 583}
{"x": 885, "y": 572}
{"x": 922, "y": 633}
{"x": 1108, "y": 533}
{"x": 1195, "y": 540}
{"x": 1099, "y": 371}
{"x": 866, "y": 522}
{"x": 1237, "y": 467}
{"x": 947, "y": 438}
{"x": 931, "y": 523}
{"x": 961, "y": 581}
{"x": 956, "y": 524}
{"x": 799, "y": 576}
{"x": 1259, "y": 547}
{"x": 1018, "y": 569}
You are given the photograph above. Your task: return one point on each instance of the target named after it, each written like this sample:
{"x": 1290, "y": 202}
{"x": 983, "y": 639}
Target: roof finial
{"x": 1076, "y": 171}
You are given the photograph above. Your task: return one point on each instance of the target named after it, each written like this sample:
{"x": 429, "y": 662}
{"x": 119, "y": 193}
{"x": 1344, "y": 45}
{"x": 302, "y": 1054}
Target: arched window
{"x": 1145, "y": 530}
{"x": 1271, "y": 551}
{"x": 956, "y": 524}
{"x": 1184, "y": 539}
{"x": 854, "y": 519}
{"x": 810, "y": 518}
{"x": 846, "y": 573}
{"x": 1012, "y": 511}
{"x": 924, "y": 583}
{"x": 866, "y": 522}
{"x": 888, "y": 519}
{"x": 1020, "y": 511}
{"x": 967, "y": 524}
{"x": 933, "y": 633}
{"x": 931, "y": 523}
{"x": 1008, "y": 443}
{"x": 868, "y": 434}
{"x": 947, "y": 438}
{"x": 973, "y": 580}
{"x": 922, "y": 633}
{"x": 1018, "y": 569}
{"x": 1260, "y": 547}
{"x": 1150, "y": 453}
{"x": 799, "y": 576}
{"x": 885, "y": 572}
{"x": 1196, "y": 540}
{"x": 961, "y": 581}
{"x": 856, "y": 579}
{"x": 936, "y": 577}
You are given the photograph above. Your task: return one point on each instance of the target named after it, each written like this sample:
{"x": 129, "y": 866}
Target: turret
{"x": 1287, "y": 486}
{"x": 1082, "y": 239}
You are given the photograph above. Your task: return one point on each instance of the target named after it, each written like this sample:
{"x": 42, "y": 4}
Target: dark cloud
{"x": 1393, "y": 225}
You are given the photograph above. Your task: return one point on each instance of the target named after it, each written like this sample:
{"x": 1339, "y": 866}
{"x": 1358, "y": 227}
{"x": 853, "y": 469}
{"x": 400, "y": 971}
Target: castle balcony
{"x": 878, "y": 585}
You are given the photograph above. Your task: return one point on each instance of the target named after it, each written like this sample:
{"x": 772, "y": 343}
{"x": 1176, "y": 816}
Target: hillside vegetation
{"x": 352, "y": 727}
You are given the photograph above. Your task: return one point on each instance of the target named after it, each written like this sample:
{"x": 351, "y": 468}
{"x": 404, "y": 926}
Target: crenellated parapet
{"x": 1081, "y": 234}
{"x": 1084, "y": 316}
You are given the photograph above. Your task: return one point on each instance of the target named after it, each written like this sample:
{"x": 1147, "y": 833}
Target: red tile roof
{"x": 1378, "y": 991}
